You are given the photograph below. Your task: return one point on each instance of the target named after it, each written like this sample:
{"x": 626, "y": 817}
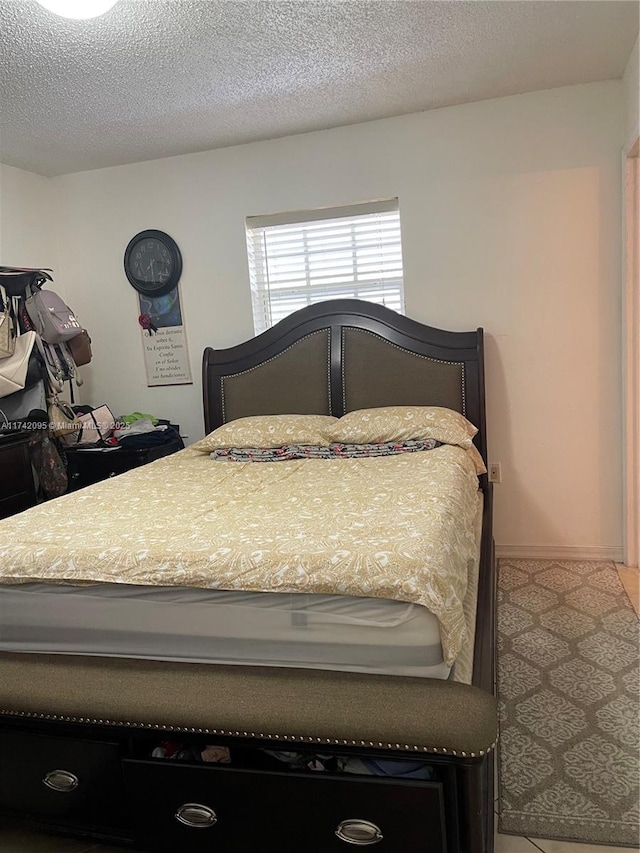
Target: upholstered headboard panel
{"x": 297, "y": 380}
{"x": 343, "y": 355}
{"x": 379, "y": 373}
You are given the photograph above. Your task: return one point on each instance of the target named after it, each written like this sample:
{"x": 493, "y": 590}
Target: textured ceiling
{"x": 153, "y": 78}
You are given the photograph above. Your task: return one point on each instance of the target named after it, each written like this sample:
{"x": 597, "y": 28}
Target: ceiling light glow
{"x": 78, "y": 8}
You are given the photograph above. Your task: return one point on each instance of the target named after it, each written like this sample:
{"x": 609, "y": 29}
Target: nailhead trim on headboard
{"x": 273, "y": 358}
{"x": 402, "y": 349}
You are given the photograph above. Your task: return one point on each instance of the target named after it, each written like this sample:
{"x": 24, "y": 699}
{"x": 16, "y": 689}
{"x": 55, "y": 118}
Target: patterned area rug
{"x": 568, "y": 685}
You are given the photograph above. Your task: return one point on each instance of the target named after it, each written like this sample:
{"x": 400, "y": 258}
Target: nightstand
{"x": 85, "y": 467}
{"x": 17, "y": 488}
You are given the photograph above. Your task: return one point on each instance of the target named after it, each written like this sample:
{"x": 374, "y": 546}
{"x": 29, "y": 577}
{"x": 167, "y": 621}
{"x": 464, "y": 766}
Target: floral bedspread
{"x": 398, "y": 526}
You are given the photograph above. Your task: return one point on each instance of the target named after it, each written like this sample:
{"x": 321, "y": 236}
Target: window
{"x": 299, "y": 258}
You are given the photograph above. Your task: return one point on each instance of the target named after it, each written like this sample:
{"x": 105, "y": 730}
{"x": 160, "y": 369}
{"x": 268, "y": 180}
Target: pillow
{"x": 402, "y": 423}
{"x": 269, "y": 431}
{"x": 406, "y": 423}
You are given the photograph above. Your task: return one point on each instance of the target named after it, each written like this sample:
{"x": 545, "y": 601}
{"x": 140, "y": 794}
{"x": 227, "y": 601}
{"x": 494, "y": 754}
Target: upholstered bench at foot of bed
{"x": 392, "y": 712}
{"x": 77, "y": 736}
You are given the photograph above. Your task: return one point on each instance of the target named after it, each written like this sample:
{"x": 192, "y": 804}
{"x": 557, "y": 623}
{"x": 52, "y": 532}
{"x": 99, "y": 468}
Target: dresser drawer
{"x": 17, "y": 490}
{"x": 14, "y": 466}
{"x": 62, "y": 780}
{"x": 182, "y": 807}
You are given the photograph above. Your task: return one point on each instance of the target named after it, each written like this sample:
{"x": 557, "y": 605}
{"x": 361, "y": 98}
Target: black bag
{"x": 16, "y": 407}
{"x": 15, "y": 280}
{"x": 145, "y": 440}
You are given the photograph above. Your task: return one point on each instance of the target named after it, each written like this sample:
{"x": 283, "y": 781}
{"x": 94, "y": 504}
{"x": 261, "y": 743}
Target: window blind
{"x": 304, "y": 257}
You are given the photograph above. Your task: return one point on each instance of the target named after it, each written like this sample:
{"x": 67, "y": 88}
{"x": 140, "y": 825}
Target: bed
{"x": 320, "y": 680}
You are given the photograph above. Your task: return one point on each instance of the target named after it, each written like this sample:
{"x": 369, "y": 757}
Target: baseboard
{"x": 559, "y": 552}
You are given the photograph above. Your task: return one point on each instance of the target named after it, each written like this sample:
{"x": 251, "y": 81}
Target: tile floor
{"x": 13, "y": 839}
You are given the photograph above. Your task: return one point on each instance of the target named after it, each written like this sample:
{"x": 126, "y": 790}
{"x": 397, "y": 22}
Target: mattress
{"x": 335, "y": 632}
{"x": 397, "y": 527}
{"x": 208, "y": 626}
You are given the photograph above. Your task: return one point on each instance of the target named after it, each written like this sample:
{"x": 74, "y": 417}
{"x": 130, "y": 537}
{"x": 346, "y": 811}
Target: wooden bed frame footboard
{"x": 77, "y": 734}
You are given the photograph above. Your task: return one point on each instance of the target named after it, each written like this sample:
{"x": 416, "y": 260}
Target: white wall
{"x": 631, "y": 91}
{"x": 28, "y": 216}
{"x": 511, "y": 220}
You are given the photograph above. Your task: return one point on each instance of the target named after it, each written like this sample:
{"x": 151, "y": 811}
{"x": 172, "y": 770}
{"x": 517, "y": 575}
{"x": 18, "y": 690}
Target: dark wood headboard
{"x": 342, "y": 355}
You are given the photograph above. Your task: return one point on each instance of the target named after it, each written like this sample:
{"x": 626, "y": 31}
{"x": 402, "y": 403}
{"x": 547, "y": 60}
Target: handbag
{"x": 55, "y": 322}
{"x": 18, "y": 406}
{"x": 80, "y": 347}
{"x": 55, "y": 375}
{"x": 62, "y": 418}
{"x": 7, "y": 334}
{"x": 7, "y": 339}
{"x": 13, "y": 369}
{"x": 95, "y": 426}
{"x": 67, "y": 361}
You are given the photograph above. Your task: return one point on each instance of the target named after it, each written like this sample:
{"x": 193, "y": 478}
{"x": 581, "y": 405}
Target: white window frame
{"x": 376, "y": 268}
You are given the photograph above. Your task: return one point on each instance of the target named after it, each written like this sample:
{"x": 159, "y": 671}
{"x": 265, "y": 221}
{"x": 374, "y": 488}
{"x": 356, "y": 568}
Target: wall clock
{"x": 153, "y": 263}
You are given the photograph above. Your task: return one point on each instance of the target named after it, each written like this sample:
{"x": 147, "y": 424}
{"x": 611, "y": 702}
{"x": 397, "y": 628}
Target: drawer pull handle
{"x": 61, "y": 780}
{"x": 359, "y": 832}
{"x": 196, "y": 816}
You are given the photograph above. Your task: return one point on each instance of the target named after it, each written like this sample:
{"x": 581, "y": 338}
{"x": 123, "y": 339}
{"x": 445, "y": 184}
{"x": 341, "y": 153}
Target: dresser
{"x": 17, "y": 487}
